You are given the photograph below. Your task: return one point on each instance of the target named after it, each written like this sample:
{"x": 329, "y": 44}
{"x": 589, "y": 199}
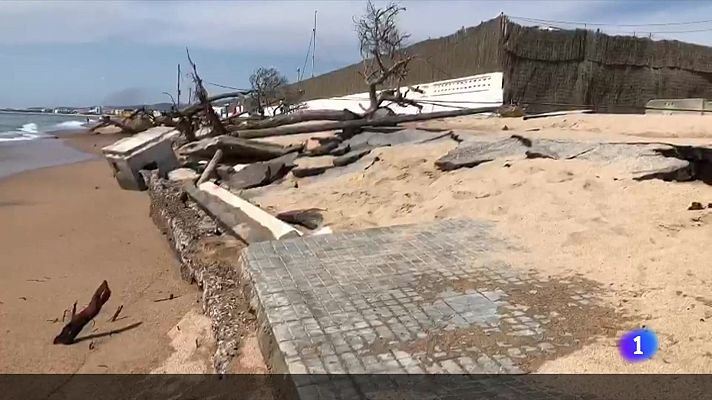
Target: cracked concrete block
{"x": 150, "y": 149}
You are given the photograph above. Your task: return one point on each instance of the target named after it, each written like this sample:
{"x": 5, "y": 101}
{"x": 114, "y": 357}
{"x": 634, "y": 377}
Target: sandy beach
{"x": 64, "y": 230}
{"x": 637, "y": 241}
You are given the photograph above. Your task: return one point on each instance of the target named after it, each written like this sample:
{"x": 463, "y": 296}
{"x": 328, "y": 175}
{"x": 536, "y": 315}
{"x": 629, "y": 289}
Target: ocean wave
{"x": 36, "y": 130}
{"x": 67, "y": 125}
{"x": 29, "y": 128}
{"x": 16, "y": 136}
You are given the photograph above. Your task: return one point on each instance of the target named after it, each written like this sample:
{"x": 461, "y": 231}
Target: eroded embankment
{"x": 211, "y": 260}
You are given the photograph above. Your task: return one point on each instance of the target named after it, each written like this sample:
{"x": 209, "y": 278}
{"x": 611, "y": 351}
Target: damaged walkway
{"x": 427, "y": 298}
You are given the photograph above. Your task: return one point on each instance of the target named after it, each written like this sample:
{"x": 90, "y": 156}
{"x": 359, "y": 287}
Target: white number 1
{"x": 637, "y": 351}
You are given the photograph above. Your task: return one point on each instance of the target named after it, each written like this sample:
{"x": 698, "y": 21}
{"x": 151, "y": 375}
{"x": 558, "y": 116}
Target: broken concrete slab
{"x": 259, "y": 173}
{"x": 350, "y": 157}
{"x": 146, "y": 150}
{"x": 403, "y": 136}
{"x": 471, "y": 154}
{"x": 310, "y": 166}
{"x": 251, "y": 221}
{"x": 639, "y": 160}
{"x": 236, "y": 222}
{"x": 557, "y": 150}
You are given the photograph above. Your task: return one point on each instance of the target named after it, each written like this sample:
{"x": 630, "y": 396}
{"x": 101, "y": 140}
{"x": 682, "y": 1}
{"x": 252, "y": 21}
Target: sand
{"x": 635, "y": 239}
{"x": 65, "y": 229}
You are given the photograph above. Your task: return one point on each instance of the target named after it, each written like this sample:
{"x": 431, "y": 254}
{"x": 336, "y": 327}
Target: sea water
{"x": 30, "y": 126}
{"x": 26, "y": 144}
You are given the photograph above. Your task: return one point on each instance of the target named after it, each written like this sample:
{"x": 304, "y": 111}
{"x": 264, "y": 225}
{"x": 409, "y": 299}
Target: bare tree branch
{"x": 202, "y": 94}
{"x": 268, "y": 88}
{"x": 384, "y": 58}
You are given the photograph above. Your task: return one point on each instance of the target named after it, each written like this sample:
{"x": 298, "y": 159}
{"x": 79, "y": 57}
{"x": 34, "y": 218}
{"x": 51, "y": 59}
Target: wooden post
{"x": 211, "y": 167}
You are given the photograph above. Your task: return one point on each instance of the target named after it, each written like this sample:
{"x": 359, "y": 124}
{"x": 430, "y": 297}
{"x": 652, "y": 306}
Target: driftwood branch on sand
{"x": 79, "y": 320}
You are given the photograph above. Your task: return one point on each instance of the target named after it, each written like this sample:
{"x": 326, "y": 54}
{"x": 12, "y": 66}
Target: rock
{"x": 350, "y": 157}
{"x": 310, "y": 218}
{"x": 183, "y": 174}
{"x": 309, "y": 166}
{"x": 695, "y": 205}
{"x": 505, "y": 128}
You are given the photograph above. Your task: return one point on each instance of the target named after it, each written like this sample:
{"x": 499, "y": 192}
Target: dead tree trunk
{"x": 213, "y": 119}
{"x": 190, "y": 110}
{"x": 295, "y": 118}
{"x": 327, "y": 126}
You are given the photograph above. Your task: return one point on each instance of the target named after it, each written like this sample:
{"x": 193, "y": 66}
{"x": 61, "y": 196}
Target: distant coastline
{"x": 46, "y": 113}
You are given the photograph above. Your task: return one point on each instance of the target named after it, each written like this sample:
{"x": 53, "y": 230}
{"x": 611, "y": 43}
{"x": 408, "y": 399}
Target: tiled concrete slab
{"x": 432, "y": 298}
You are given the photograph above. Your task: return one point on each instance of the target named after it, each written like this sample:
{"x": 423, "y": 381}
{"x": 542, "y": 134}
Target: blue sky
{"x": 117, "y": 52}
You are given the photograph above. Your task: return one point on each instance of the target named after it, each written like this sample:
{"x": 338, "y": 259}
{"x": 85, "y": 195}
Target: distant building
{"x": 222, "y": 111}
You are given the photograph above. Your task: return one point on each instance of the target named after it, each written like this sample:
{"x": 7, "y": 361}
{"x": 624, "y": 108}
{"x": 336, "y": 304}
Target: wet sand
{"x": 64, "y": 230}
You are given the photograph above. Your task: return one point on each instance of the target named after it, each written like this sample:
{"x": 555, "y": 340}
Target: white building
{"x": 485, "y": 90}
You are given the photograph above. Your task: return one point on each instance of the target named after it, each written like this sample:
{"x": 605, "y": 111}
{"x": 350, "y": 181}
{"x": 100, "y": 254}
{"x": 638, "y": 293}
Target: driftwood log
{"x": 236, "y": 150}
{"x": 78, "y": 321}
{"x": 334, "y": 125}
{"x": 295, "y": 118}
{"x": 195, "y": 108}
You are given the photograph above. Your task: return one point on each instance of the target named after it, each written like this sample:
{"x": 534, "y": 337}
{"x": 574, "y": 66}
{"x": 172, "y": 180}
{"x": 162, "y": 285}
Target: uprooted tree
{"x": 267, "y": 88}
{"x": 385, "y": 61}
{"x": 217, "y": 127}
{"x": 385, "y": 68}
